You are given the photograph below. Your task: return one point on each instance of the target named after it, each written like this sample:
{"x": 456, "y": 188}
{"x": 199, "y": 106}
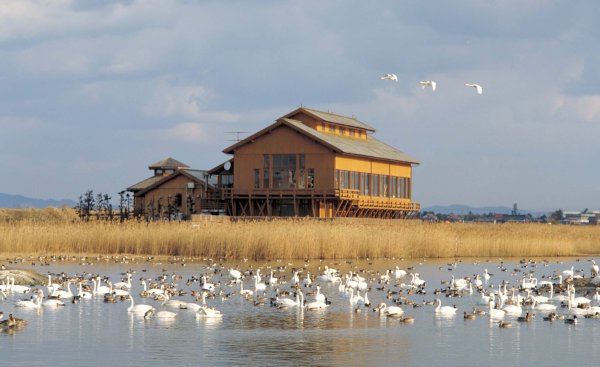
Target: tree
{"x": 86, "y": 205}
{"x": 557, "y": 215}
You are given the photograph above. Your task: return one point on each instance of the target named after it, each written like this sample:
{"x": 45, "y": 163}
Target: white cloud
{"x": 189, "y": 132}
{"x": 586, "y": 108}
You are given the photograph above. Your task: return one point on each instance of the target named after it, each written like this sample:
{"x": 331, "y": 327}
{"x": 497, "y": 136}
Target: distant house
{"x": 174, "y": 191}
{"x": 580, "y": 218}
{"x": 512, "y": 218}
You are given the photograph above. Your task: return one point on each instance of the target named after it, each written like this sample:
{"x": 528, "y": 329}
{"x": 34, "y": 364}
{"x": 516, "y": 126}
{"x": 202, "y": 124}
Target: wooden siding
{"x": 370, "y": 166}
{"x": 282, "y": 140}
{"x": 168, "y": 191}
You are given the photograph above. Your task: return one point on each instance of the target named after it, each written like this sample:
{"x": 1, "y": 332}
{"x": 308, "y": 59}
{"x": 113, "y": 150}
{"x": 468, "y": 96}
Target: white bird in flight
{"x": 429, "y": 83}
{"x": 390, "y": 77}
{"x": 476, "y": 86}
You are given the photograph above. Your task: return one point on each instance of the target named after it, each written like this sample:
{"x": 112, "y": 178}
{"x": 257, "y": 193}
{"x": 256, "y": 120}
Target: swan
{"x": 245, "y": 292}
{"x": 51, "y": 287}
{"x": 513, "y": 310}
{"x": 83, "y": 294}
{"x": 458, "y": 284}
{"x": 356, "y": 299}
{"x": 124, "y": 285}
{"x": 568, "y": 273}
{"x": 286, "y": 302}
{"x": 477, "y": 87}
{"x": 99, "y": 288}
{"x": 165, "y": 315}
{"x": 19, "y": 288}
{"x": 391, "y": 311}
{"x": 272, "y": 280}
{"x": 235, "y": 274}
{"x": 307, "y": 280}
{"x": 295, "y": 278}
{"x": 493, "y": 312}
{"x": 53, "y": 302}
{"x": 320, "y": 297}
{"x": 484, "y": 300}
{"x": 206, "y": 286}
{"x": 478, "y": 283}
{"x": 529, "y": 283}
{"x": 117, "y": 292}
{"x": 399, "y": 273}
{"x": 444, "y": 310}
{"x": 416, "y": 281}
{"x": 259, "y": 286}
{"x": 30, "y": 303}
{"x": 428, "y": 83}
{"x": 138, "y": 309}
{"x": 153, "y": 292}
{"x": 207, "y": 312}
{"x": 595, "y": 269}
{"x": 486, "y": 275}
{"x": 63, "y": 293}
{"x": 389, "y": 76}
{"x": 596, "y": 297}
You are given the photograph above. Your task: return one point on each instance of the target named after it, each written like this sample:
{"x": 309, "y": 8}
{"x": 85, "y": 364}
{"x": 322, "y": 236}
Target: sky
{"x": 93, "y": 91}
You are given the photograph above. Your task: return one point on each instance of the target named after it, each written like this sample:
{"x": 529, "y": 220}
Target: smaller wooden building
{"x": 175, "y": 191}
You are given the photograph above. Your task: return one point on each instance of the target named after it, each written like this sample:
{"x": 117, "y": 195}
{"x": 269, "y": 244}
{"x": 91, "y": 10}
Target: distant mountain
{"x": 465, "y": 209}
{"x": 19, "y": 201}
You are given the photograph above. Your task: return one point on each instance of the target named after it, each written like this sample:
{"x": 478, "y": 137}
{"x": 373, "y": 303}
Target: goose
{"x": 390, "y": 311}
{"x": 477, "y": 87}
{"x": 138, "y": 309}
{"x": 388, "y": 76}
{"x": 428, "y": 83}
{"x": 444, "y": 310}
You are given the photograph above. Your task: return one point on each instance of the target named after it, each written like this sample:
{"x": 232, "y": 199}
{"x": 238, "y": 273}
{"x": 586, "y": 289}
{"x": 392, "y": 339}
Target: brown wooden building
{"x": 317, "y": 164}
{"x": 174, "y": 192}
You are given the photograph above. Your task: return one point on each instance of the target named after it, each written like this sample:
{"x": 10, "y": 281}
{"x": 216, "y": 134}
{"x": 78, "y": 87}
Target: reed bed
{"x": 297, "y": 239}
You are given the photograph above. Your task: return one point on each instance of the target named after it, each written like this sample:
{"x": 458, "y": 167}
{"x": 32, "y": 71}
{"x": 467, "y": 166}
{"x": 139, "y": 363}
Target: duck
{"x": 571, "y": 320}
{"x": 469, "y": 316}
{"x": 528, "y": 317}
{"x": 504, "y": 324}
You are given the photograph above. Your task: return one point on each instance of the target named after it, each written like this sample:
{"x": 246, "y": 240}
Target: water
{"x": 92, "y": 333}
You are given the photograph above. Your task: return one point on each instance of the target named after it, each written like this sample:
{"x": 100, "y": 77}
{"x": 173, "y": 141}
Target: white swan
{"x": 399, "y": 273}
{"x": 63, "y": 293}
{"x": 235, "y": 274}
{"x": 543, "y": 307}
{"x": 31, "y": 304}
{"x": 595, "y": 269}
{"x": 207, "y": 312}
{"x": 428, "y": 83}
{"x": 124, "y": 285}
{"x": 259, "y": 286}
{"x": 165, "y": 315}
{"x": 389, "y": 76}
{"x": 444, "y": 310}
{"x": 392, "y": 311}
{"x": 245, "y": 292}
{"x": 206, "y": 286}
{"x": 138, "y": 309}
{"x": 493, "y": 312}
{"x": 477, "y": 87}
{"x": 568, "y": 273}
{"x": 99, "y": 288}
{"x": 83, "y": 294}
{"x": 286, "y": 302}
{"x": 19, "y": 288}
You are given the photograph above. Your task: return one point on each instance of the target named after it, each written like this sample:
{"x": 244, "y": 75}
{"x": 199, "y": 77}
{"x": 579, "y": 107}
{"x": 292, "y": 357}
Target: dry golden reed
{"x": 297, "y": 239}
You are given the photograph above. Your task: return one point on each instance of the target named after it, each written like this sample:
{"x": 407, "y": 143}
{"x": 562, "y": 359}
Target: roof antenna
{"x": 237, "y": 135}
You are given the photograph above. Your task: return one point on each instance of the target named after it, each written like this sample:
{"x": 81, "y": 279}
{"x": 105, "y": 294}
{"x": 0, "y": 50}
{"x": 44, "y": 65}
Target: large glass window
{"x": 384, "y": 184}
{"x": 375, "y": 185}
{"x": 284, "y": 171}
{"x": 311, "y": 178}
{"x": 266, "y": 166}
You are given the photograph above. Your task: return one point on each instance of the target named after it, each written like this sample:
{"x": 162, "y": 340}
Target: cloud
{"x": 586, "y": 108}
{"x": 189, "y": 132}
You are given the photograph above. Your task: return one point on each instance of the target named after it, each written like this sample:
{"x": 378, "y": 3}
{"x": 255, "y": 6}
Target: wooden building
{"x": 317, "y": 164}
{"x": 173, "y": 192}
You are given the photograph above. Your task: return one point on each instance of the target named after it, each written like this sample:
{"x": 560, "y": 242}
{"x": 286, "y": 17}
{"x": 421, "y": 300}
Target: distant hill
{"x": 19, "y": 201}
{"x": 465, "y": 209}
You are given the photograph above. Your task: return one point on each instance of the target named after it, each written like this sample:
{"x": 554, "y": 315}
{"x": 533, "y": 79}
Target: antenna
{"x": 237, "y": 135}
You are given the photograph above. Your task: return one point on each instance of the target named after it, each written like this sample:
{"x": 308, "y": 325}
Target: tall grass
{"x": 298, "y": 239}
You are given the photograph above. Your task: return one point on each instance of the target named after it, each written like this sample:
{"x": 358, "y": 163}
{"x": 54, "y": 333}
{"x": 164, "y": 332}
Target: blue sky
{"x": 92, "y": 92}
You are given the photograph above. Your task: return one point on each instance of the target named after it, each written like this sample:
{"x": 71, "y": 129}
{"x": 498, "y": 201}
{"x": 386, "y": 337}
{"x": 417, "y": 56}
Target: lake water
{"x": 92, "y": 333}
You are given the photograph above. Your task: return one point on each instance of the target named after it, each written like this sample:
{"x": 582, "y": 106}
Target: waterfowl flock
{"x": 515, "y": 295}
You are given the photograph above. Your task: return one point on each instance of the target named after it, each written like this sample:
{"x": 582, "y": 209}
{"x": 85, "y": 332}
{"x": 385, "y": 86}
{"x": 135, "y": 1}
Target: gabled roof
{"x": 370, "y": 147}
{"x": 144, "y": 184}
{"x": 168, "y": 163}
{"x": 220, "y": 167}
{"x": 331, "y": 117}
{"x": 195, "y": 175}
